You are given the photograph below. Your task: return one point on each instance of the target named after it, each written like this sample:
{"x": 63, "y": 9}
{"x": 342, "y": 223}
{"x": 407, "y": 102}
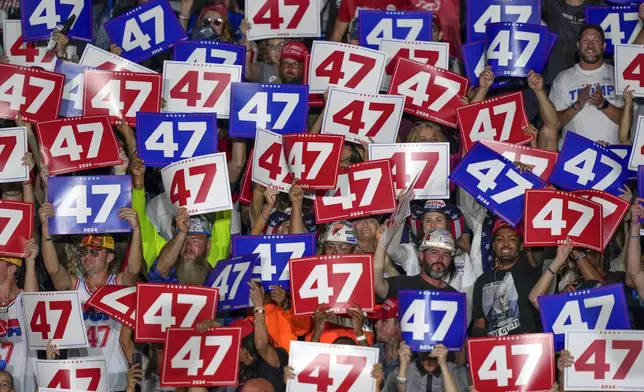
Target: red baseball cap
{"x": 501, "y": 224}
{"x": 294, "y": 50}
{"x": 388, "y": 310}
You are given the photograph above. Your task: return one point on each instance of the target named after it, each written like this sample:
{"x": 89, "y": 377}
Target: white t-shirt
{"x": 590, "y": 122}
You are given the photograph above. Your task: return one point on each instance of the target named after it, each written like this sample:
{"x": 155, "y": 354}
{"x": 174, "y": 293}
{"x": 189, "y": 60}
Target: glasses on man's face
{"x": 274, "y": 47}
{"x": 85, "y": 251}
{"x": 339, "y": 248}
{"x": 291, "y": 65}
{"x": 213, "y": 21}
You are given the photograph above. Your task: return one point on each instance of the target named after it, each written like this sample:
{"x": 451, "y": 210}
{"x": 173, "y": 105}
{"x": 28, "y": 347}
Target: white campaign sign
{"x": 28, "y": 54}
{"x": 629, "y": 69}
{"x": 430, "y": 53}
{"x": 200, "y": 184}
{"x": 101, "y": 59}
{"x": 347, "y": 66}
{"x": 13, "y": 145}
{"x": 429, "y": 161}
{"x": 283, "y": 18}
{"x": 56, "y": 316}
{"x": 605, "y": 360}
{"x": 84, "y": 374}
{"x": 320, "y": 366}
{"x": 199, "y": 87}
{"x": 637, "y": 153}
{"x": 363, "y": 117}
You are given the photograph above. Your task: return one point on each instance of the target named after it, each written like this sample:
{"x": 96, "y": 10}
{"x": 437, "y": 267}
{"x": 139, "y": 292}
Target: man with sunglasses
{"x": 340, "y": 239}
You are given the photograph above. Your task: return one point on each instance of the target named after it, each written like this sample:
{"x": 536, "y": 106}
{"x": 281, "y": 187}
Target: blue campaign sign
{"x": 71, "y": 104}
{"x": 40, "y": 17}
{"x": 276, "y": 251}
{"x": 164, "y": 138}
{"x": 495, "y": 182}
{"x": 584, "y": 164}
{"x": 89, "y": 204}
{"x": 146, "y": 30}
{"x": 231, "y": 276}
{"x": 600, "y": 309}
{"x": 513, "y": 49}
{"x": 281, "y": 108}
{"x": 474, "y": 63}
{"x": 624, "y": 151}
{"x": 619, "y": 23}
{"x": 375, "y": 26}
{"x": 428, "y": 318}
{"x": 481, "y": 12}
{"x": 211, "y": 52}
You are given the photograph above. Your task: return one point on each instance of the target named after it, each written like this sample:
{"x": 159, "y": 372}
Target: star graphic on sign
{"x": 489, "y": 258}
{"x": 273, "y": 223}
{"x": 454, "y": 217}
{"x": 483, "y": 234}
{"x": 309, "y": 221}
{"x": 487, "y": 246}
{"x": 281, "y": 218}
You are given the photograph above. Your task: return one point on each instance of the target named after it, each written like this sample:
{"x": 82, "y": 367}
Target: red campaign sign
{"x": 363, "y": 189}
{"x": 208, "y": 359}
{"x": 16, "y": 227}
{"x": 500, "y": 118}
{"x": 77, "y": 143}
{"x": 33, "y": 93}
{"x": 313, "y": 159}
{"x": 336, "y": 280}
{"x": 121, "y": 94}
{"x": 551, "y": 216}
{"x": 118, "y": 302}
{"x": 541, "y": 161}
{"x": 162, "y": 306}
{"x": 523, "y": 363}
{"x": 79, "y": 374}
{"x": 613, "y": 210}
{"x": 246, "y": 188}
{"x": 430, "y": 92}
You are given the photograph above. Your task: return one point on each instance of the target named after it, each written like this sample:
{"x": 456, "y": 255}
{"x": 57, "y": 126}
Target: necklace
{"x": 4, "y": 305}
{"x": 94, "y": 287}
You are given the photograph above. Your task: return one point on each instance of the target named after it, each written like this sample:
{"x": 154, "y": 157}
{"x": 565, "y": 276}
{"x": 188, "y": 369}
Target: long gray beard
{"x": 194, "y": 273}
{"x": 438, "y": 275}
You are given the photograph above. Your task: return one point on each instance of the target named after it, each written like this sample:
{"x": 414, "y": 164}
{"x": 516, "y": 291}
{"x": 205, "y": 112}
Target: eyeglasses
{"x": 212, "y": 21}
{"x": 291, "y": 65}
{"x": 328, "y": 248}
{"x": 94, "y": 252}
{"x": 274, "y": 46}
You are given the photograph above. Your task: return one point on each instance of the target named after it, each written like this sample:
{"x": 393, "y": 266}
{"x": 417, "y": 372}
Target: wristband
{"x": 361, "y": 338}
{"x": 401, "y": 380}
{"x": 262, "y": 214}
{"x": 183, "y": 17}
{"x": 579, "y": 257}
{"x": 259, "y": 310}
{"x": 46, "y": 238}
{"x": 635, "y": 236}
{"x": 552, "y": 272}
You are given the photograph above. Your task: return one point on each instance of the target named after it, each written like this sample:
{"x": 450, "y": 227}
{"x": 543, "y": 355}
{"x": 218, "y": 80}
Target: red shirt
{"x": 449, "y": 13}
{"x": 349, "y": 8}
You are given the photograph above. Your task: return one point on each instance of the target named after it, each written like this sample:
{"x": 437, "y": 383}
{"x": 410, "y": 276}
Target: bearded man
{"x": 585, "y": 95}
{"x": 184, "y": 259}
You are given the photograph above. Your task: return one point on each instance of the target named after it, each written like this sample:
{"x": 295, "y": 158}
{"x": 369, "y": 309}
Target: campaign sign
{"x": 428, "y": 318}
{"x": 512, "y": 363}
{"x": 624, "y": 151}
{"x": 495, "y": 182}
{"x": 162, "y": 306}
{"x": 17, "y": 229}
{"x": 231, "y": 276}
{"x": 275, "y": 252}
{"x": 621, "y": 24}
{"x": 146, "y": 30}
{"x": 283, "y": 18}
{"x": 613, "y": 210}
{"x": 118, "y": 302}
{"x": 345, "y": 368}
{"x": 599, "y": 309}
{"x": 427, "y": 163}
{"x": 101, "y": 59}
{"x": 363, "y": 189}
{"x": 199, "y": 87}
{"x": 431, "y": 53}
{"x": 584, "y": 164}
{"x": 164, "y": 138}
{"x": 636, "y": 156}
{"x": 211, "y": 52}
{"x": 474, "y": 63}
{"x": 82, "y": 374}
{"x": 430, "y": 93}
{"x": 213, "y": 357}
{"x": 200, "y": 184}
{"x": 376, "y": 25}
{"x": 540, "y": 161}
{"x": 33, "y": 93}
{"x": 14, "y": 146}
{"x": 513, "y": 49}
{"x": 25, "y": 53}
{"x": 313, "y": 159}
{"x": 77, "y": 143}
{"x": 605, "y": 360}
{"x": 480, "y": 13}
{"x": 40, "y": 17}
{"x": 629, "y": 71}
{"x": 71, "y": 104}
{"x": 281, "y": 108}
{"x": 269, "y": 164}
{"x": 245, "y": 189}
{"x": 89, "y": 204}
{"x": 551, "y": 216}
{"x": 345, "y": 66}
{"x": 54, "y": 316}
{"x": 363, "y": 117}
{"x": 339, "y": 281}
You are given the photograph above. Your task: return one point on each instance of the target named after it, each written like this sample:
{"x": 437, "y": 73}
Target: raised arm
{"x": 639, "y": 40}
{"x": 252, "y": 69}
{"x": 296, "y": 194}
{"x": 543, "y": 283}
{"x": 262, "y": 341}
{"x": 449, "y": 383}
{"x": 31, "y": 279}
{"x": 633, "y": 261}
{"x": 135, "y": 256}
{"x": 259, "y": 224}
{"x": 27, "y": 186}
{"x": 627, "y": 117}
{"x": 184, "y": 14}
{"x": 170, "y": 253}
{"x": 486, "y": 79}
{"x": 548, "y": 135}
{"x": 382, "y": 286}
{"x": 59, "y": 276}
{"x": 237, "y": 160}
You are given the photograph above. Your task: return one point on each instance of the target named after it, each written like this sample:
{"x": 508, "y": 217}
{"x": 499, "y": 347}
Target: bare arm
{"x": 382, "y": 286}
{"x": 237, "y": 161}
{"x": 171, "y": 251}
{"x": 639, "y": 40}
{"x": 59, "y": 276}
{"x": 262, "y": 342}
{"x": 297, "y": 220}
{"x": 257, "y": 204}
{"x": 126, "y": 342}
{"x": 587, "y": 270}
{"x": 28, "y": 186}
{"x": 184, "y": 14}
{"x": 31, "y": 279}
{"x": 130, "y": 138}
{"x": 633, "y": 261}
{"x": 548, "y": 136}
{"x": 270, "y": 195}
{"x": 339, "y": 30}
{"x": 131, "y": 273}
{"x": 627, "y": 118}
{"x": 486, "y": 79}
{"x": 543, "y": 283}
{"x": 252, "y": 69}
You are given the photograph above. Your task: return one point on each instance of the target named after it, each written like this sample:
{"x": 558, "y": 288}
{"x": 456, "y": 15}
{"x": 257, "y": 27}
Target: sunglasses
{"x": 212, "y": 21}
{"x": 94, "y": 252}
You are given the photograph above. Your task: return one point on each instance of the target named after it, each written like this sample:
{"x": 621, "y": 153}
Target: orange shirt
{"x": 284, "y": 326}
